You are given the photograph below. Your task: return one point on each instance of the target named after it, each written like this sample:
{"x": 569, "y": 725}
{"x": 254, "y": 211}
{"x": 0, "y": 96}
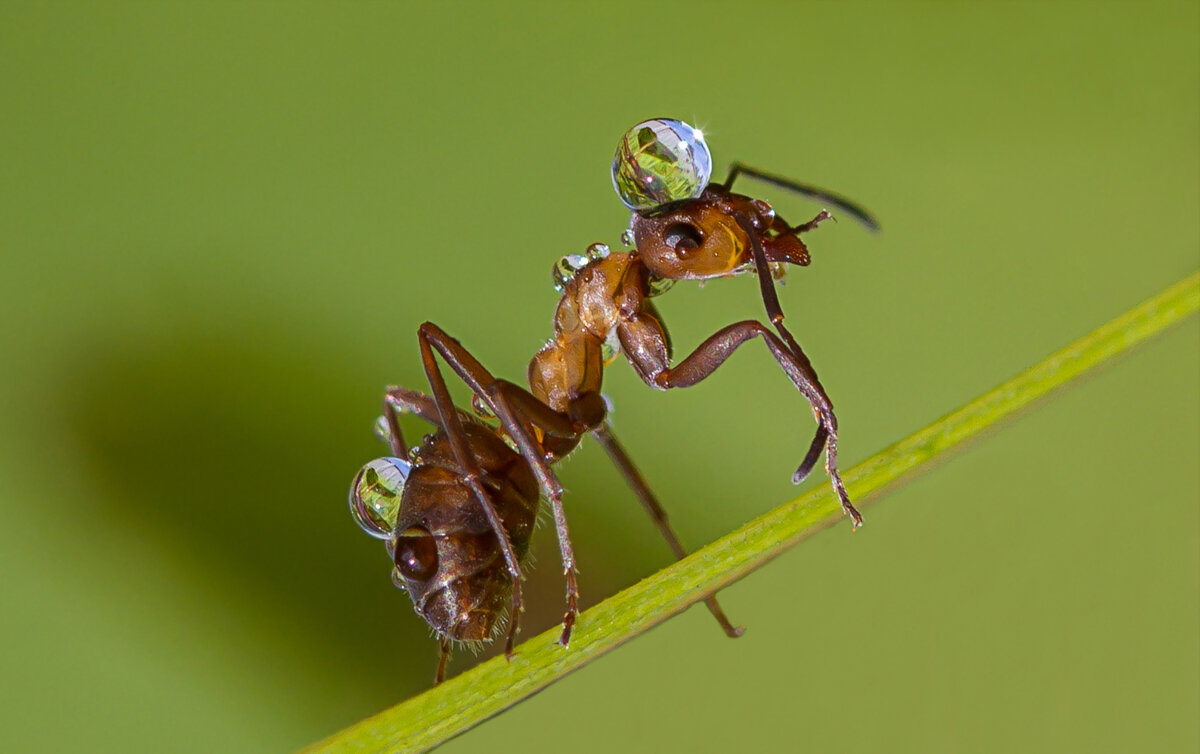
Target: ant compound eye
{"x": 375, "y": 495}
{"x": 683, "y": 238}
{"x": 416, "y": 554}
{"x": 660, "y": 161}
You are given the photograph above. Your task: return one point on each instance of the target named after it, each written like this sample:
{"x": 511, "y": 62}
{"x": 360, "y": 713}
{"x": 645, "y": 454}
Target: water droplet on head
{"x": 660, "y": 161}
{"x": 627, "y": 237}
{"x": 598, "y": 251}
{"x": 375, "y": 495}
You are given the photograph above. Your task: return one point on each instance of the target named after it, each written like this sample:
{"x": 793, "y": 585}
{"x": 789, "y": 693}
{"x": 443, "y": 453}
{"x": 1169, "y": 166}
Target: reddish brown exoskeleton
{"x": 683, "y": 228}
{"x": 449, "y": 535}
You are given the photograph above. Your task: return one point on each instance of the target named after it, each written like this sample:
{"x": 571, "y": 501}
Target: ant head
{"x": 457, "y": 581}
{"x": 441, "y": 572}
{"x": 445, "y": 553}
{"x": 702, "y": 238}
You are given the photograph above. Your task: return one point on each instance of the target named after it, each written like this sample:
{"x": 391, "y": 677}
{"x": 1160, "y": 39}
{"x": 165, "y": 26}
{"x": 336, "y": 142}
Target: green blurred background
{"x": 220, "y": 226}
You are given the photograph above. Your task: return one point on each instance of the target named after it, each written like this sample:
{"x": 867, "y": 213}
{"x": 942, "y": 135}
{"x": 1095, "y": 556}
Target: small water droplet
{"x": 484, "y": 412}
{"x": 481, "y": 409}
{"x": 627, "y": 237}
{"x": 375, "y": 495}
{"x": 598, "y": 251}
{"x": 397, "y": 577}
{"x": 659, "y": 286}
{"x": 611, "y": 347}
{"x": 564, "y": 270}
{"x": 382, "y": 430}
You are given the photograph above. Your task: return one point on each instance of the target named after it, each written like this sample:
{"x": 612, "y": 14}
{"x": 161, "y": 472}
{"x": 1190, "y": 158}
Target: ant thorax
{"x": 597, "y": 290}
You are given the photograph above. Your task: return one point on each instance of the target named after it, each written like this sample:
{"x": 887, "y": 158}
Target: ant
{"x": 451, "y": 533}
{"x": 683, "y": 228}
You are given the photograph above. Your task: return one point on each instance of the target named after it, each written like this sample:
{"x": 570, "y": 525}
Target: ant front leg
{"x": 644, "y": 342}
{"x": 766, "y": 283}
{"x": 518, "y": 410}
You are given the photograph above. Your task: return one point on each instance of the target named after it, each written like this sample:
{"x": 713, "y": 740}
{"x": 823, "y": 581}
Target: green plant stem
{"x": 435, "y": 716}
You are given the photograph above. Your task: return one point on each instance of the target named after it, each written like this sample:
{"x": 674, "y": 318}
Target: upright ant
{"x": 683, "y": 228}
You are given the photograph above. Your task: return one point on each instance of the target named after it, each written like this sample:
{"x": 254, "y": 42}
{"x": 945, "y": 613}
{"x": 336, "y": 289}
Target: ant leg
{"x": 512, "y": 404}
{"x": 713, "y": 352}
{"x": 452, "y": 423}
{"x": 804, "y": 189}
{"x": 821, "y": 217}
{"x": 813, "y": 455}
{"x": 770, "y": 297}
{"x": 633, "y": 478}
{"x": 400, "y": 400}
{"x": 395, "y": 438}
{"x": 499, "y": 397}
{"x": 443, "y": 658}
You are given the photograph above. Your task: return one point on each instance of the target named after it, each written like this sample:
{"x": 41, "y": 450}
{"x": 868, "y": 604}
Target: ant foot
{"x": 568, "y": 624}
{"x": 855, "y": 516}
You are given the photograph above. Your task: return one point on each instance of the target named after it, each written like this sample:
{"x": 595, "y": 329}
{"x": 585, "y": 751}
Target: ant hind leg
{"x": 515, "y": 407}
{"x": 443, "y": 659}
{"x": 452, "y": 423}
{"x": 633, "y": 477}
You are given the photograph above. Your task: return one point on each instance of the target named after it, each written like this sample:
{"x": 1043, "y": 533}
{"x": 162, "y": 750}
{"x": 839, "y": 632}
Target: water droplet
{"x": 484, "y": 412}
{"x": 660, "y": 161}
{"x": 659, "y": 286}
{"x": 382, "y": 430}
{"x": 397, "y": 578}
{"x": 375, "y": 495}
{"x": 598, "y": 251}
{"x": 627, "y": 237}
{"x": 565, "y": 268}
{"x": 611, "y": 347}
{"x": 481, "y": 409}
